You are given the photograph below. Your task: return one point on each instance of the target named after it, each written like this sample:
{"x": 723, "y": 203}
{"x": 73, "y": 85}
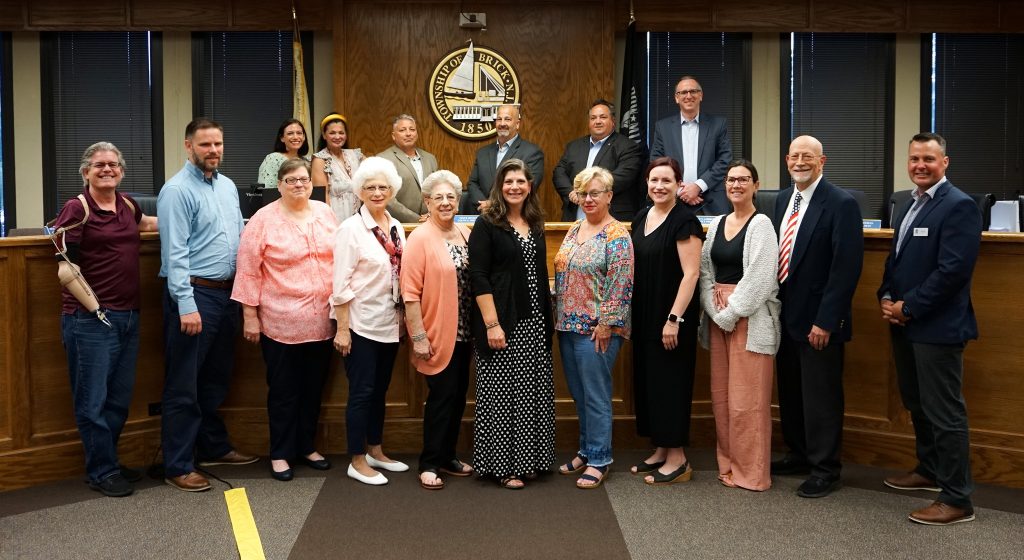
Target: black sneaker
{"x": 131, "y": 475}
{"x": 115, "y": 486}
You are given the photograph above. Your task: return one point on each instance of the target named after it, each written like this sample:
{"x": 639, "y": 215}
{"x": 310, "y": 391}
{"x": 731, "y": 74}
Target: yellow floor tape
{"x": 247, "y": 537}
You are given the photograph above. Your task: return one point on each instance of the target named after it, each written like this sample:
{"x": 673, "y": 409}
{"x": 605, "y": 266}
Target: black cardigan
{"x": 496, "y": 267}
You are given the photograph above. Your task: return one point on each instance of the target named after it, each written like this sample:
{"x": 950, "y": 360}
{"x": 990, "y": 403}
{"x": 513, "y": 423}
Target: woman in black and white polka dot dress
{"x": 514, "y": 432}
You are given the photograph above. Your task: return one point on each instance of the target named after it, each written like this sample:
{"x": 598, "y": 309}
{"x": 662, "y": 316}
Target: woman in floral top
{"x": 594, "y": 289}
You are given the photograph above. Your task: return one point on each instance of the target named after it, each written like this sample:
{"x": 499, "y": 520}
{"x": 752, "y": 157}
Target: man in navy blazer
{"x": 603, "y": 147}
{"x": 700, "y": 144}
{"x": 508, "y": 146}
{"x": 821, "y": 252}
{"x": 926, "y": 297}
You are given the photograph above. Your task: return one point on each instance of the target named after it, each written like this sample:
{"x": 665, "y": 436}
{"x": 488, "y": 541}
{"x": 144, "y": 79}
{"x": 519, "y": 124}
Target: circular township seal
{"x": 466, "y": 88}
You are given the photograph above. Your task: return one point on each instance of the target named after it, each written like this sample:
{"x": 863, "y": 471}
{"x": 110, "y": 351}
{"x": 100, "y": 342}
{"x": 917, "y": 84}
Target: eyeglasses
{"x": 685, "y": 92}
{"x": 444, "y": 198}
{"x": 99, "y": 165}
{"x": 738, "y": 180}
{"x": 377, "y": 188}
{"x": 593, "y": 195}
{"x": 293, "y": 180}
{"x": 802, "y": 157}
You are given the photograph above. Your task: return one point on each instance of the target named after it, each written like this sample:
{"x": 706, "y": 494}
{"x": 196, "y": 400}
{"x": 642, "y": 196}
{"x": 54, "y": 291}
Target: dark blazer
{"x": 496, "y": 267}
{"x": 407, "y": 205}
{"x": 828, "y": 255}
{"x": 932, "y": 273}
{"x": 481, "y": 178}
{"x": 714, "y": 152}
{"x": 620, "y": 156}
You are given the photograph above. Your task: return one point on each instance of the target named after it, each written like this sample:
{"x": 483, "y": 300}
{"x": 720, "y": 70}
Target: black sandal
{"x": 643, "y": 467}
{"x": 597, "y": 482}
{"x": 509, "y": 483}
{"x": 682, "y": 474}
{"x": 568, "y": 469}
{"x": 458, "y": 468}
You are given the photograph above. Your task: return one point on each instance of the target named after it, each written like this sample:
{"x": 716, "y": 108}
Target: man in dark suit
{"x": 603, "y": 147}
{"x": 821, "y": 251}
{"x": 926, "y": 297}
{"x": 700, "y": 144}
{"x": 508, "y": 146}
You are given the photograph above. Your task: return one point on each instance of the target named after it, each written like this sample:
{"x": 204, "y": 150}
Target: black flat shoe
{"x": 318, "y": 464}
{"x": 283, "y": 476}
{"x": 644, "y": 467}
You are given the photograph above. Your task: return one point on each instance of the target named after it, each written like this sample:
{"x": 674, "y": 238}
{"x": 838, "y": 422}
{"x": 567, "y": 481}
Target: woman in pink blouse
{"x": 366, "y": 301}
{"x": 284, "y": 285}
{"x": 593, "y": 290}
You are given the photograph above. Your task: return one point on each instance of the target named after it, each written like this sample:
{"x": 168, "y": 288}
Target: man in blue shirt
{"x": 200, "y": 225}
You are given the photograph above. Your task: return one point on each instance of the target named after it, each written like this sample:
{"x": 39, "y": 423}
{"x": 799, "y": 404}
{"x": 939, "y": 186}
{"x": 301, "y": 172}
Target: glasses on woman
{"x": 377, "y": 188}
{"x": 592, "y": 195}
{"x": 439, "y": 198}
{"x": 738, "y": 180}
{"x": 300, "y": 180}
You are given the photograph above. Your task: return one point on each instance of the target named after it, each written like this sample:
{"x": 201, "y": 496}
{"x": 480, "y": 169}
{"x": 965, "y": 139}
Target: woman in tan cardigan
{"x": 436, "y": 290}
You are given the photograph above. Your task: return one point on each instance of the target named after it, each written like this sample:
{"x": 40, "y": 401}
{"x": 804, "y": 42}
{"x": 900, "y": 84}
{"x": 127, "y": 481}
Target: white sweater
{"x": 755, "y": 294}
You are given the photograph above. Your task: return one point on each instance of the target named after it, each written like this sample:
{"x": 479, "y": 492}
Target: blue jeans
{"x": 589, "y": 376}
{"x": 101, "y": 366}
{"x": 196, "y": 378}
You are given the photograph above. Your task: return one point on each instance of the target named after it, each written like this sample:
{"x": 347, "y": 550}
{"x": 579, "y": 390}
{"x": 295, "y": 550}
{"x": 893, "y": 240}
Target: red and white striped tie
{"x": 786, "y": 246}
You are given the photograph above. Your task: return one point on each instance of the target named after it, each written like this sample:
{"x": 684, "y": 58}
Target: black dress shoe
{"x": 790, "y": 465}
{"x": 131, "y": 475}
{"x": 318, "y": 464}
{"x": 283, "y": 476}
{"x": 817, "y": 487}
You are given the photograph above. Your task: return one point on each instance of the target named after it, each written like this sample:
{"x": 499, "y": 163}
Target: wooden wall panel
{"x": 6, "y": 326}
{"x": 184, "y": 14}
{"x": 755, "y": 15}
{"x": 859, "y": 15}
{"x": 381, "y": 74}
{"x": 96, "y": 14}
{"x": 953, "y": 15}
{"x": 12, "y": 14}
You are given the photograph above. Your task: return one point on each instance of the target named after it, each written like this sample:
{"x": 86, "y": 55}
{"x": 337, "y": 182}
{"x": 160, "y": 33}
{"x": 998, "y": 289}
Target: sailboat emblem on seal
{"x": 467, "y": 87}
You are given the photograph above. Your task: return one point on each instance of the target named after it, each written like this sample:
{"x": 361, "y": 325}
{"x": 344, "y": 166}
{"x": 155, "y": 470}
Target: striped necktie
{"x": 786, "y": 248}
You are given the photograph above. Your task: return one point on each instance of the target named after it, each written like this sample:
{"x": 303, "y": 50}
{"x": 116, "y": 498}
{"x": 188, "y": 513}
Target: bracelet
{"x": 492, "y": 325}
{"x": 419, "y": 337}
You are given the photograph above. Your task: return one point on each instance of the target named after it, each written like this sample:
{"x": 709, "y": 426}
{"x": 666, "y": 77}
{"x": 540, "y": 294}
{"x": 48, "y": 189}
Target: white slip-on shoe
{"x": 394, "y": 466}
{"x": 375, "y": 480}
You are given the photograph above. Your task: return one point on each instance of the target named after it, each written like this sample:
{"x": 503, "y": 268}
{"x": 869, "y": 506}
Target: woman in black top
{"x": 514, "y": 432}
{"x": 667, "y": 240}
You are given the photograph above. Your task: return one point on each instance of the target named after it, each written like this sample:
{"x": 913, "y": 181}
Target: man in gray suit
{"x": 700, "y": 144}
{"x": 508, "y": 146}
{"x": 413, "y": 165}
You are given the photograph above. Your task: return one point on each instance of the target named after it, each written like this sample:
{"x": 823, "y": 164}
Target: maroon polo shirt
{"x": 108, "y": 252}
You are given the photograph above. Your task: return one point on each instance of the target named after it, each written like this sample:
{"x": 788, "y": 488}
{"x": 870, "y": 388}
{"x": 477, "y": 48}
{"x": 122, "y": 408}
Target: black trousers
{"x": 442, "y": 415}
{"x": 368, "y": 368}
{"x": 295, "y": 386}
{"x": 811, "y": 403}
{"x": 931, "y": 386}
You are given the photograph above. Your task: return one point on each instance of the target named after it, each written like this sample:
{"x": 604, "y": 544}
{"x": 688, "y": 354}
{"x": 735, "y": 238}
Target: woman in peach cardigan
{"x": 436, "y": 290}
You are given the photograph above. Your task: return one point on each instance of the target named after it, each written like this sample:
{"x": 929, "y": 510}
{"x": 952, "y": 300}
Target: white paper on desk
{"x": 1005, "y": 216}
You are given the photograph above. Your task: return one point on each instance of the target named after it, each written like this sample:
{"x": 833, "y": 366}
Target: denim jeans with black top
{"x": 589, "y": 376}
{"x": 101, "y": 367}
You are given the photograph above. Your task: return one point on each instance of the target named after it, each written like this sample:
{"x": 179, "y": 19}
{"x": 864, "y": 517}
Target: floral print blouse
{"x": 594, "y": 281}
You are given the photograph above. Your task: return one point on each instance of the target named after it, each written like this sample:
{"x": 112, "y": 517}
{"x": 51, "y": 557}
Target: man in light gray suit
{"x": 700, "y": 144}
{"x": 508, "y": 146}
{"x": 413, "y": 165}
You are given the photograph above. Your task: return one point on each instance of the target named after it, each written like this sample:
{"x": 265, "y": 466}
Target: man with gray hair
{"x": 509, "y": 145}
{"x": 413, "y": 165}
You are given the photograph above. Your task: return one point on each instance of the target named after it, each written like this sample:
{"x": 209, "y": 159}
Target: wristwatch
{"x": 906, "y": 311}
{"x": 673, "y": 318}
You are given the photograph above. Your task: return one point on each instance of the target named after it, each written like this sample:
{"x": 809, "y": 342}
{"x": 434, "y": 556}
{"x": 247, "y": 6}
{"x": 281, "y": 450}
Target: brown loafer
{"x": 230, "y": 458}
{"x": 942, "y": 514}
{"x": 911, "y": 481}
{"x": 191, "y": 482}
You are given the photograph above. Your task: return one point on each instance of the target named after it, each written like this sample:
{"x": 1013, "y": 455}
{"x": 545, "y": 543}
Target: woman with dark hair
{"x": 334, "y": 166}
{"x": 514, "y": 432}
{"x": 291, "y": 143}
{"x": 667, "y": 239}
{"x": 740, "y": 325}
{"x": 283, "y": 282}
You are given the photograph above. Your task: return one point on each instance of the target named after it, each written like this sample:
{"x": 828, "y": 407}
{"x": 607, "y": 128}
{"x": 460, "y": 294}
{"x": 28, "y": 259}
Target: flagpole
{"x": 300, "y": 96}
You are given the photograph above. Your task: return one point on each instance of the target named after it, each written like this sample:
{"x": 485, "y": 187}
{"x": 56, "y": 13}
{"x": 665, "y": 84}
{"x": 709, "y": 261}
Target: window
{"x": 6, "y": 136}
{"x": 840, "y": 90}
{"x": 243, "y": 80}
{"x": 719, "y": 61}
{"x": 973, "y": 96}
{"x": 100, "y": 87}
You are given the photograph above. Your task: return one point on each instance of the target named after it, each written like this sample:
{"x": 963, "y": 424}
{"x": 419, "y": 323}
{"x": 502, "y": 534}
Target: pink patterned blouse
{"x": 285, "y": 271}
{"x": 594, "y": 281}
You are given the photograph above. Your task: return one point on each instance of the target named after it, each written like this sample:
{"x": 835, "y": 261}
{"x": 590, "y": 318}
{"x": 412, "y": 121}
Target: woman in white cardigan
{"x": 740, "y": 325}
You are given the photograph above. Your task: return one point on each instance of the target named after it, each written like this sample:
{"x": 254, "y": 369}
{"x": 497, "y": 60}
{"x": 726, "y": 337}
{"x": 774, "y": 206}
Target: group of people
{"x": 303, "y": 277}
